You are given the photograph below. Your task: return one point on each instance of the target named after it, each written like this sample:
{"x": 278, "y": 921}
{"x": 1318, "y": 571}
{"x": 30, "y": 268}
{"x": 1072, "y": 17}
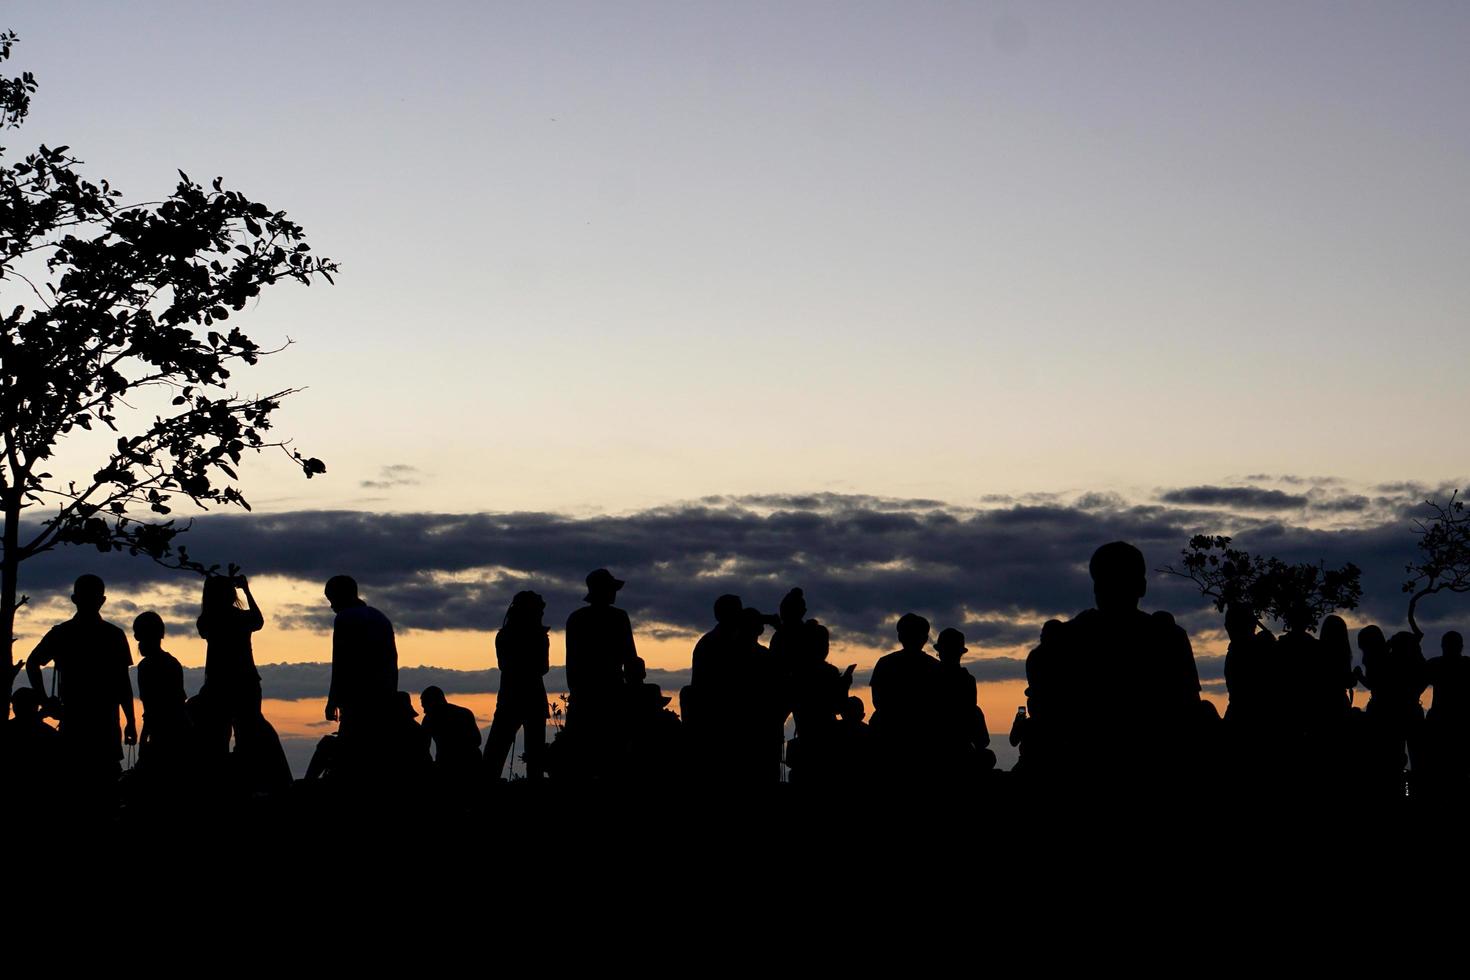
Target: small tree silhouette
{"x": 109, "y": 303}
{"x": 1269, "y": 586}
{"x": 1444, "y": 554}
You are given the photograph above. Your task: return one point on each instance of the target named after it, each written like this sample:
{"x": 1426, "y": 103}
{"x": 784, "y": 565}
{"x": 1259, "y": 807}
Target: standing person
{"x": 600, "y": 656}
{"x": 522, "y": 650}
{"x": 364, "y": 684}
{"x": 163, "y": 745}
{"x": 231, "y": 691}
{"x": 1447, "y": 727}
{"x": 1109, "y": 662}
{"x": 92, "y": 658}
{"x": 906, "y": 685}
{"x": 965, "y": 736}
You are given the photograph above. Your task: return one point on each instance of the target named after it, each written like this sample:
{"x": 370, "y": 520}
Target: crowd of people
{"x": 1113, "y": 704}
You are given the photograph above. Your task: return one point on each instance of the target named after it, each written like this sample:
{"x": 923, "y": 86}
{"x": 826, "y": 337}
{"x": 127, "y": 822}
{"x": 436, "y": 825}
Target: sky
{"x": 912, "y": 304}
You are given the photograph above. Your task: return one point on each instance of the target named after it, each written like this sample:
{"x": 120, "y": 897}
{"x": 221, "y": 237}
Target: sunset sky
{"x": 911, "y": 304}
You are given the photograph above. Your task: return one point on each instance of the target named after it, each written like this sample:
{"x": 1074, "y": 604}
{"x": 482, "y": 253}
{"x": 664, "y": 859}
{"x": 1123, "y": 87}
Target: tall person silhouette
{"x": 522, "y": 651}
{"x": 364, "y": 687}
{"x": 600, "y": 655}
{"x": 231, "y": 693}
{"x": 906, "y": 688}
{"x": 92, "y": 658}
{"x": 1106, "y": 666}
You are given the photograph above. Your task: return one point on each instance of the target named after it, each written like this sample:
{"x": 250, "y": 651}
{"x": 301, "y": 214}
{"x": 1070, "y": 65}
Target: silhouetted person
{"x": 32, "y": 753}
{"x": 600, "y": 649}
{"x": 788, "y": 642}
{"x": 765, "y": 701}
{"x": 655, "y": 734}
{"x": 819, "y": 694}
{"x": 92, "y": 658}
{"x": 1395, "y": 680}
{"x": 906, "y": 691}
{"x": 854, "y": 756}
{"x": 964, "y": 736}
{"x": 454, "y": 732}
{"x": 364, "y": 686}
{"x": 1110, "y": 664}
{"x": 1447, "y": 726}
{"x": 231, "y": 692}
{"x": 165, "y": 743}
{"x": 1257, "y": 702}
{"x": 409, "y": 759}
{"x": 713, "y": 702}
{"x": 522, "y": 651}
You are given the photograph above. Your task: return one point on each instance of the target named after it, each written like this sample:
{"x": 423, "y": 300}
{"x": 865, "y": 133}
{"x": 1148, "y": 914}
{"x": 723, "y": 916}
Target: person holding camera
{"x": 231, "y": 691}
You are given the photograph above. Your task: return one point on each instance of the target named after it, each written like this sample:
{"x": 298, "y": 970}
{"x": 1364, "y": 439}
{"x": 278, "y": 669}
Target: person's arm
{"x": 337, "y": 661}
{"x": 574, "y": 650}
{"x": 630, "y": 652}
{"x": 255, "y": 620}
{"x": 125, "y": 690}
{"x": 40, "y": 657}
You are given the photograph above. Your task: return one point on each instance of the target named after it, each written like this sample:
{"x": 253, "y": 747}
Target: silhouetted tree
{"x": 1269, "y": 586}
{"x": 1443, "y": 564}
{"x": 124, "y": 305}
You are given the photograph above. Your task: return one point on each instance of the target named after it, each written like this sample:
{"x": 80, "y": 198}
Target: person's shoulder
{"x": 888, "y": 661}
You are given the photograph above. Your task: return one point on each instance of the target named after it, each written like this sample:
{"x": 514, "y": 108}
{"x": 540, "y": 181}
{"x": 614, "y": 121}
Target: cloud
{"x": 995, "y": 573}
{"x": 396, "y": 475}
{"x": 1245, "y": 498}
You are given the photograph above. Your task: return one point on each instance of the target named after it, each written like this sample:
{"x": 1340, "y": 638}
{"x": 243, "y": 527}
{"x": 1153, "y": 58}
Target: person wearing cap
{"x": 522, "y": 651}
{"x": 905, "y": 686}
{"x": 600, "y": 657}
{"x": 965, "y": 735}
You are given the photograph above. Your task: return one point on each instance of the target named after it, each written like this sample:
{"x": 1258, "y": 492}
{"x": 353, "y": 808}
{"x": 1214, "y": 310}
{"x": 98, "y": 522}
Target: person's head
{"x": 219, "y": 594}
{"x": 793, "y": 607}
{"x": 636, "y": 670}
{"x": 1240, "y": 622}
{"x": 1119, "y": 576}
{"x": 148, "y": 630}
{"x": 341, "y": 592}
{"x": 404, "y": 701}
{"x": 1298, "y": 617}
{"x": 853, "y": 709}
{"x": 1405, "y": 645}
{"x": 526, "y": 610}
{"x": 913, "y": 631}
{"x": 729, "y": 610}
{"x": 950, "y": 646}
{"x": 25, "y": 702}
{"x": 1334, "y": 633}
{"x": 1371, "y": 639}
{"x": 88, "y": 594}
{"x": 1451, "y": 644}
{"x": 432, "y": 698}
{"x": 754, "y": 621}
{"x": 1049, "y": 630}
{"x": 818, "y": 641}
{"x": 602, "y": 587}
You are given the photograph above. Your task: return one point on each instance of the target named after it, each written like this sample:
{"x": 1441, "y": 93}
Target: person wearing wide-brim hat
{"x": 962, "y": 723}
{"x": 601, "y": 660}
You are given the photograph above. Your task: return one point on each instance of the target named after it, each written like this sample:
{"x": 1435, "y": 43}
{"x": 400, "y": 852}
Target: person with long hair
{"x": 523, "y": 652}
{"x": 231, "y": 691}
